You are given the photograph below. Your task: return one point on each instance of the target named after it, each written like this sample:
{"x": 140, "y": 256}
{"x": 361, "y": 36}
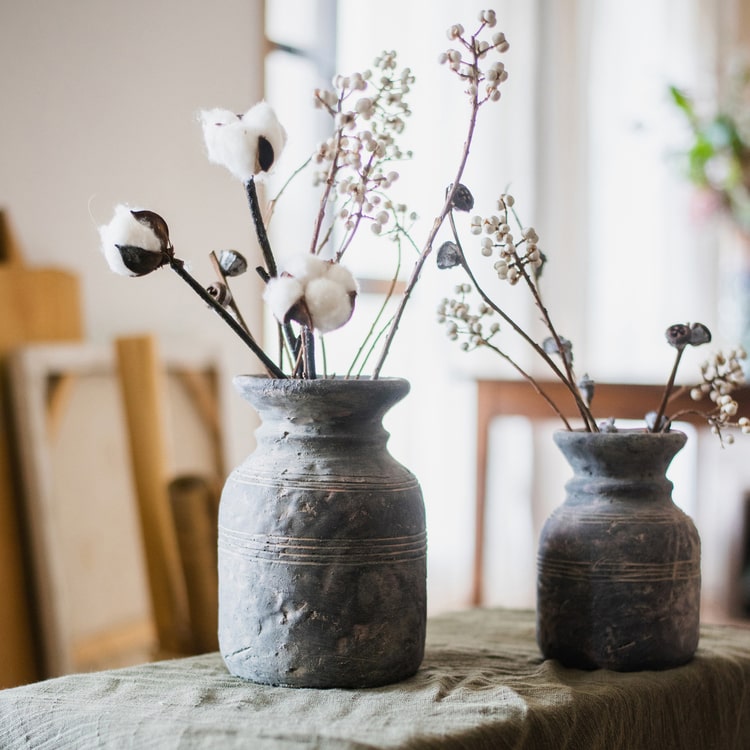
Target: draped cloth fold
{"x": 482, "y": 684}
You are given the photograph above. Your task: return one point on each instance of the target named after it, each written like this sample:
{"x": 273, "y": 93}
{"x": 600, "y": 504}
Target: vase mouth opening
{"x": 261, "y": 386}
{"x": 617, "y": 431}
{"x": 625, "y": 434}
{"x": 263, "y": 381}
{"x": 260, "y": 377}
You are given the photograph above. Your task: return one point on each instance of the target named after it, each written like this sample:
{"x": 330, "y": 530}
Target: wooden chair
{"x": 178, "y": 515}
{"x": 498, "y": 398}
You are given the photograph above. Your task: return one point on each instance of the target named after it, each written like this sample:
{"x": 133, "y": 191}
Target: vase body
{"x": 322, "y": 544}
{"x": 618, "y": 583}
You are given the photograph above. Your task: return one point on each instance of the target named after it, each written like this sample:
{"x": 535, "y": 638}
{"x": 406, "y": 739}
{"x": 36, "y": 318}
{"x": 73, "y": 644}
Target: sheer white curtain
{"x": 651, "y": 261}
{"x": 583, "y": 136}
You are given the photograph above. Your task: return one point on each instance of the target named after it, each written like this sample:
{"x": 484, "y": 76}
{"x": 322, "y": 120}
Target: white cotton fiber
{"x": 281, "y": 294}
{"x": 125, "y": 229}
{"x": 329, "y": 303}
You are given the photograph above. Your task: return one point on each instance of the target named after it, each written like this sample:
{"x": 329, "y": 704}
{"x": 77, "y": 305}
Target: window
{"x": 584, "y": 137}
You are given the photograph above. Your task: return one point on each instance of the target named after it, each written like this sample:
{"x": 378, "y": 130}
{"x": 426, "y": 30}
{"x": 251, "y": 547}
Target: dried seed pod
{"x": 220, "y": 292}
{"x": 156, "y": 224}
{"x": 463, "y": 200}
{"x": 678, "y": 335}
{"x": 232, "y": 263}
{"x": 586, "y": 386}
{"x": 699, "y": 334}
{"x": 565, "y": 350}
{"x": 266, "y": 156}
{"x": 448, "y": 255}
{"x": 681, "y": 335}
{"x": 140, "y": 261}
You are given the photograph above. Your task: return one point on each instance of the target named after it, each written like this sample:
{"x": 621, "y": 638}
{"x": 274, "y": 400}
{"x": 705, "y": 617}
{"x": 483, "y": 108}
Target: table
{"x": 482, "y": 685}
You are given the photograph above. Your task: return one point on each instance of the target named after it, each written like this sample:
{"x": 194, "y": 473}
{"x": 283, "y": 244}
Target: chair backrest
{"x": 177, "y": 513}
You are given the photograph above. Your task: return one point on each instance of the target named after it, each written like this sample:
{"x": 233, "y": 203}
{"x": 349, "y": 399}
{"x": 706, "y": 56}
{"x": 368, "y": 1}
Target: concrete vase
{"x": 618, "y": 582}
{"x": 322, "y": 545}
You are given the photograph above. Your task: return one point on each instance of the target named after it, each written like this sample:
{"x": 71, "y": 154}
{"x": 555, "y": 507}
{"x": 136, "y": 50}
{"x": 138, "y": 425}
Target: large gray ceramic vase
{"x": 322, "y": 546}
{"x": 618, "y": 582}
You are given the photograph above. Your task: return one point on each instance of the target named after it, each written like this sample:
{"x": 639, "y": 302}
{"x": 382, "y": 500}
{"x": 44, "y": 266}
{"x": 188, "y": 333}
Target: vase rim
{"x": 314, "y": 382}
{"x": 329, "y": 379}
{"x": 618, "y": 431}
{"x": 626, "y": 433}
{"x": 263, "y": 383}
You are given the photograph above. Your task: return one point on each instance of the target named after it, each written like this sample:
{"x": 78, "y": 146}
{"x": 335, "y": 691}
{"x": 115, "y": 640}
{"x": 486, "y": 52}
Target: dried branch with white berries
{"x": 312, "y": 294}
{"x": 520, "y": 261}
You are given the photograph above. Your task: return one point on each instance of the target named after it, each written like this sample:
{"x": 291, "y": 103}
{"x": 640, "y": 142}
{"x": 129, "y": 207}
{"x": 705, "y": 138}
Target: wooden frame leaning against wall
{"x": 85, "y": 532}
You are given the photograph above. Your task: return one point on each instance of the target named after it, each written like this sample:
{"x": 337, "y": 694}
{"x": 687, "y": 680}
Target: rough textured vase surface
{"x": 322, "y": 545}
{"x": 618, "y": 581}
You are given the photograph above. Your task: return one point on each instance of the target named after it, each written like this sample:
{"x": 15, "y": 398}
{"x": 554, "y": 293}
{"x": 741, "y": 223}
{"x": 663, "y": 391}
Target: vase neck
{"x": 349, "y": 411}
{"x": 628, "y": 466}
{"x": 612, "y": 490}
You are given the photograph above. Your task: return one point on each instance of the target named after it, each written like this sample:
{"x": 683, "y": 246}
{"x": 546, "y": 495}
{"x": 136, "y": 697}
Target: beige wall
{"x": 99, "y": 101}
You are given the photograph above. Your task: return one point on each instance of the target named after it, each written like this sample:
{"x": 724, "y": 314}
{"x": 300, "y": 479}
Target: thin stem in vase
{"x": 231, "y": 304}
{"x": 272, "y": 203}
{"x": 330, "y": 183}
{"x": 473, "y": 76}
{"x": 429, "y": 242}
{"x": 531, "y": 380}
{"x": 271, "y": 269}
{"x": 570, "y": 379}
{"x": 272, "y": 369}
{"x": 260, "y": 228}
{"x": 530, "y": 341}
{"x": 378, "y": 316}
{"x": 656, "y": 426}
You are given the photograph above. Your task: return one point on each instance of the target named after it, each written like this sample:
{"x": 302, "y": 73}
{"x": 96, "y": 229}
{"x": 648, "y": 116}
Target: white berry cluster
{"x": 483, "y": 83}
{"x": 721, "y": 376}
{"x": 461, "y": 322}
{"x": 515, "y": 253}
{"x": 354, "y": 164}
{"x": 519, "y": 259}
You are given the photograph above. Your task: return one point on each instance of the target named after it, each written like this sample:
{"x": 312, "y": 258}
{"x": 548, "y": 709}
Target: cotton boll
{"x": 327, "y": 289}
{"x": 218, "y": 116}
{"x": 228, "y": 143}
{"x": 114, "y": 258}
{"x": 330, "y": 304}
{"x": 282, "y": 294}
{"x": 306, "y": 266}
{"x": 246, "y": 145}
{"x": 213, "y": 122}
{"x": 124, "y": 230}
{"x": 343, "y": 276}
{"x": 262, "y": 121}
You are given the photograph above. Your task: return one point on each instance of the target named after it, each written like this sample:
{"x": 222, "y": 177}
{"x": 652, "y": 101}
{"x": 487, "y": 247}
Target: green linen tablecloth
{"x": 482, "y": 685}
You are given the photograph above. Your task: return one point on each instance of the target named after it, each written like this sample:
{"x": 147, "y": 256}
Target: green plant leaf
{"x": 683, "y": 102}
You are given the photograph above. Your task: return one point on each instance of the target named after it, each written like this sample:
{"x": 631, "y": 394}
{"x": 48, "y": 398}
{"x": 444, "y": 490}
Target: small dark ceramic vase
{"x": 322, "y": 546}
{"x": 618, "y": 582}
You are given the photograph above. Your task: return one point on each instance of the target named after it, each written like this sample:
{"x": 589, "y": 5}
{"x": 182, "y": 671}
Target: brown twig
{"x": 260, "y": 228}
{"x": 428, "y": 245}
{"x": 667, "y": 391}
{"x": 232, "y": 304}
{"x": 178, "y": 266}
{"x": 538, "y": 349}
